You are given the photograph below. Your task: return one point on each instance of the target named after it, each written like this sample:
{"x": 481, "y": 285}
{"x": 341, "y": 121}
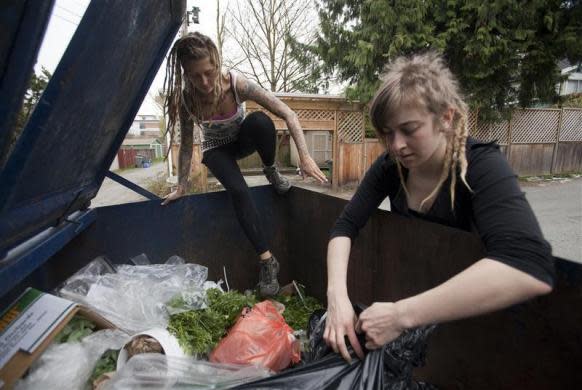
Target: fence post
{"x": 335, "y": 154}
{"x": 557, "y": 144}
{"x": 508, "y": 151}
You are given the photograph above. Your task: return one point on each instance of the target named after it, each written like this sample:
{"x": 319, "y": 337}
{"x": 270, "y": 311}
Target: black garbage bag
{"x": 388, "y": 368}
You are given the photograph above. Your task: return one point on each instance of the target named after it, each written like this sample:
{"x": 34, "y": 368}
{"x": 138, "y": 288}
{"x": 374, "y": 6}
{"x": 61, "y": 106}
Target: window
{"x": 142, "y": 125}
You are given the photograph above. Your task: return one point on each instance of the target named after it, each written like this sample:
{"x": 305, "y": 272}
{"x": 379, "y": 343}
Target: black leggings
{"x": 257, "y": 133}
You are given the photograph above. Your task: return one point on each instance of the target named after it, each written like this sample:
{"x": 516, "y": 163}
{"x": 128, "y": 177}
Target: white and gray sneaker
{"x": 279, "y": 182}
{"x": 268, "y": 283}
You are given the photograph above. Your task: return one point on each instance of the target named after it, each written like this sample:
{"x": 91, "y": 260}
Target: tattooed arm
{"x": 248, "y": 90}
{"x": 184, "y": 158}
{"x": 185, "y": 155}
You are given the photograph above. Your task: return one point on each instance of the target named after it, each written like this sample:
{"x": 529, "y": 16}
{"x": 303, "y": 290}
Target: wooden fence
{"x": 535, "y": 141}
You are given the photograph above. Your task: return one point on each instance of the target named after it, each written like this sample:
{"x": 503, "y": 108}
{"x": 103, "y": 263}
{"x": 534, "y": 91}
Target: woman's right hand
{"x": 340, "y": 322}
{"x": 172, "y": 196}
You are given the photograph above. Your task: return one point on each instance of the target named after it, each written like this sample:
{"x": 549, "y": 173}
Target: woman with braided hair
{"x": 433, "y": 171}
{"x": 199, "y": 94}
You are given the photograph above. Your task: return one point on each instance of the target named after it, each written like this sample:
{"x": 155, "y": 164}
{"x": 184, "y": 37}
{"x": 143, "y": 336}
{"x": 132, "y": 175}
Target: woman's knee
{"x": 260, "y": 120}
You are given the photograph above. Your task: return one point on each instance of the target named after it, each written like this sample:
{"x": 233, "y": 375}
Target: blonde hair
{"x": 181, "y": 98}
{"x": 425, "y": 79}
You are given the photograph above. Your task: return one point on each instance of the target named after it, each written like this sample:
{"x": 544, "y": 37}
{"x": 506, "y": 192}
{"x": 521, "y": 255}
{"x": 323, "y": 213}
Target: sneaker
{"x": 279, "y": 182}
{"x": 268, "y": 283}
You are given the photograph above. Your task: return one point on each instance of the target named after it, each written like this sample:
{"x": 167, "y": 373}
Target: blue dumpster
{"x": 48, "y": 230}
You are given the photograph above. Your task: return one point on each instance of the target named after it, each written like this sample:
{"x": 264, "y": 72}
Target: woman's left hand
{"x": 381, "y": 322}
{"x": 309, "y": 167}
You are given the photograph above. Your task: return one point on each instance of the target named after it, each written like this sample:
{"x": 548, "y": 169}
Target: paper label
{"x": 26, "y": 324}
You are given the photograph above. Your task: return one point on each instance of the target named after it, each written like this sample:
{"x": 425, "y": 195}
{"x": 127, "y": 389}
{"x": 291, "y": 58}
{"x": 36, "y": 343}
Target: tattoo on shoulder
{"x": 252, "y": 91}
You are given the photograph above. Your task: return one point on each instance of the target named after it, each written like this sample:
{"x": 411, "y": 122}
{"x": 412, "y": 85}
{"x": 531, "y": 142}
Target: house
{"x": 144, "y": 144}
{"x": 573, "y": 78}
{"x": 146, "y": 126}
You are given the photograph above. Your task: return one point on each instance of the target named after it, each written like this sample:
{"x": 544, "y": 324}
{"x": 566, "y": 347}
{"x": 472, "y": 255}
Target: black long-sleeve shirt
{"x": 496, "y": 208}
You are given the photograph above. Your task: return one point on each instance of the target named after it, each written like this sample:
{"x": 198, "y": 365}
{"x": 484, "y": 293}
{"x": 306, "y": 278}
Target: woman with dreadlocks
{"x": 433, "y": 171}
{"x": 199, "y": 94}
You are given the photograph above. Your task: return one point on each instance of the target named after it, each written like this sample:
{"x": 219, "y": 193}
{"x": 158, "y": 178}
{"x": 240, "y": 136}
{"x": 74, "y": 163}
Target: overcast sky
{"x": 66, "y": 16}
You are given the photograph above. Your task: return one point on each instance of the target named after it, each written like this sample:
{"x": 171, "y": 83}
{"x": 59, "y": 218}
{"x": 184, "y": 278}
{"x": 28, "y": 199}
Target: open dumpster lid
{"x": 72, "y": 137}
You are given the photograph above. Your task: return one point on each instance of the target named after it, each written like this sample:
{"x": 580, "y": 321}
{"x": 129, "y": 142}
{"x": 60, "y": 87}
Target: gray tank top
{"x": 222, "y": 130}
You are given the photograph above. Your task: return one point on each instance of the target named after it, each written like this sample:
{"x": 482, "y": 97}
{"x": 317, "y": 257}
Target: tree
{"x": 262, "y": 31}
{"x": 220, "y": 27}
{"x": 503, "y": 52}
{"x": 35, "y": 90}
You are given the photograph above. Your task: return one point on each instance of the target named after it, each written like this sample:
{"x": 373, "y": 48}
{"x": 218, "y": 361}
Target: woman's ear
{"x": 447, "y": 118}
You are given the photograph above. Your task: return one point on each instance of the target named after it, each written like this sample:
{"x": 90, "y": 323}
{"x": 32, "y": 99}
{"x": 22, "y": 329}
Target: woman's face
{"x": 412, "y": 137}
{"x": 202, "y": 74}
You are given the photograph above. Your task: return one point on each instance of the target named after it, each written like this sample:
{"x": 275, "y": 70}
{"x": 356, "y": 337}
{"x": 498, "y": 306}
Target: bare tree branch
{"x": 261, "y": 30}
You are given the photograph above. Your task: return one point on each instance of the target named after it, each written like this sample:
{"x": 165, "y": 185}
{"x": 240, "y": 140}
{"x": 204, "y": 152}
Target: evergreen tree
{"x": 503, "y": 51}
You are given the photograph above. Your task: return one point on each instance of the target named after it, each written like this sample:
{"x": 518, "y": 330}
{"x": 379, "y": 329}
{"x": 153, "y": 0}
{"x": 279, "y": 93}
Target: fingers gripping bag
{"x": 260, "y": 336}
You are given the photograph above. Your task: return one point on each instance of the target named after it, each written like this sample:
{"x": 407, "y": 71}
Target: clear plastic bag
{"x": 134, "y": 298}
{"x": 69, "y": 365}
{"x": 80, "y": 283}
{"x": 166, "y": 372}
{"x": 191, "y": 299}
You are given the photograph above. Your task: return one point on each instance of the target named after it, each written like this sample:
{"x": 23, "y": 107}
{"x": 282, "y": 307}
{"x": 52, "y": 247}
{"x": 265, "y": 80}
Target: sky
{"x": 66, "y": 16}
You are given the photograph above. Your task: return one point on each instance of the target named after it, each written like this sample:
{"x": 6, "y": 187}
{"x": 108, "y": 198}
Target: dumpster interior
{"x": 48, "y": 231}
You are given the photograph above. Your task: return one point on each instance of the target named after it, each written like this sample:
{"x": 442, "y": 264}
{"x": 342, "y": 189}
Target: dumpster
{"x": 48, "y": 230}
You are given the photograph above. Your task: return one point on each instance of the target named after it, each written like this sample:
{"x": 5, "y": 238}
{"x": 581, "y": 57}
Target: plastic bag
{"x": 134, "y": 298}
{"x": 260, "y": 336}
{"x": 191, "y": 299}
{"x": 156, "y": 371}
{"x": 69, "y": 365}
{"x": 388, "y": 368}
{"x": 80, "y": 283}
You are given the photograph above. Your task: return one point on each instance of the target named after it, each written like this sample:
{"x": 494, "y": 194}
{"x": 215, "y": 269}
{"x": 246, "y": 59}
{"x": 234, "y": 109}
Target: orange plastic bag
{"x": 260, "y": 336}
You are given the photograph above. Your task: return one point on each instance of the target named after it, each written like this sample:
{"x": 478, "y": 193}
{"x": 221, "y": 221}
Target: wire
{"x": 65, "y": 19}
{"x": 69, "y": 11}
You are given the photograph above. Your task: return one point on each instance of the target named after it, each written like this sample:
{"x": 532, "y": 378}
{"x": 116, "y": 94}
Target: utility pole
{"x": 191, "y": 17}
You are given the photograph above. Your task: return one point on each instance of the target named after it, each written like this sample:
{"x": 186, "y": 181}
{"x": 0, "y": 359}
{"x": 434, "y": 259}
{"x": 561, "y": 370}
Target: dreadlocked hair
{"x": 425, "y": 79}
{"x": 182, "y": 100}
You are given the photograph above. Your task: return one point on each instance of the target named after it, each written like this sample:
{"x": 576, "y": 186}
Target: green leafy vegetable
{"x": 75, "y": 330}
{"x": 106, "y": 363}
{"x": 297, "y": 311}
{"x": 198, "y": 331}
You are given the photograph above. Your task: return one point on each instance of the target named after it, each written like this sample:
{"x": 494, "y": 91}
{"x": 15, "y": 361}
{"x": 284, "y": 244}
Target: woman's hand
{"x": 172, "y": 196}
{"x": 382, "y": 322}
{"x": 309, "y": 167}
{"x": 339, "y": 323}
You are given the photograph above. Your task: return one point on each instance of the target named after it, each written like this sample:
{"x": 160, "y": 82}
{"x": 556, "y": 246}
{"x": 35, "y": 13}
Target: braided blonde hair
{"x": 425, "y": 79}
{"x": 182, "y": 101}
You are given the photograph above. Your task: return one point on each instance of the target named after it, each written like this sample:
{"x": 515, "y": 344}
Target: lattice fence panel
{"x": 350, "y": 127}
{"x": 472, "y": 122}
{"x": 487, "y": 131}
{"x": 534, "y": 126}
{"x": 571, "y": 125}
{"x": 326, "y": 115}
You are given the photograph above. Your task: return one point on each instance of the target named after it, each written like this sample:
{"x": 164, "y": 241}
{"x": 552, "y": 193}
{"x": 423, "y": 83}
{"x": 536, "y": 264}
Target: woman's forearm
{"x": 486, "y": 286}
{"x": 185, "y": 159}
{"x": 338, "y": 253}
{"x": 297, "y": 133}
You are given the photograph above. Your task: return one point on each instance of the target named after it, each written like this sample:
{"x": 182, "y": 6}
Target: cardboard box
{"x": 29, "y": 326}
